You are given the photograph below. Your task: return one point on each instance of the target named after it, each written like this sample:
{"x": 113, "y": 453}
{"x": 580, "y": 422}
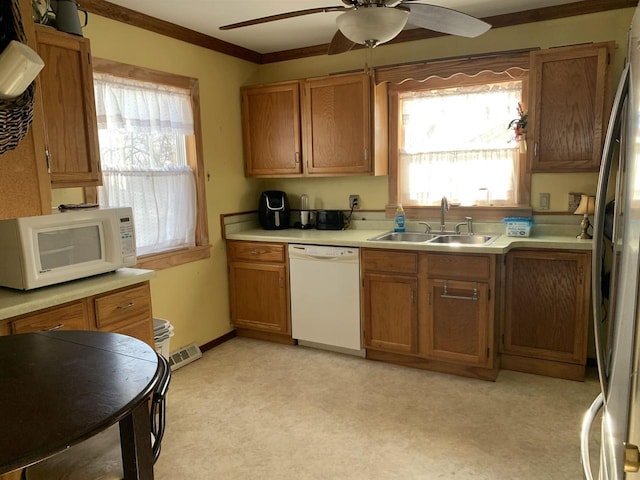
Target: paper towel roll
{"x": 19, "y": 66}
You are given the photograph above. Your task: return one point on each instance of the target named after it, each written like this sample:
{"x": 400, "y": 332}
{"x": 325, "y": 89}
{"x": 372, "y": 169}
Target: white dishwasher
{"x": 325, "y": 297}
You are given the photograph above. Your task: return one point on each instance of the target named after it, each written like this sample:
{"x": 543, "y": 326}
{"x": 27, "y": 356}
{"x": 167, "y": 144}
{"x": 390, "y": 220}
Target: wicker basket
{"x": 16, "y": 114}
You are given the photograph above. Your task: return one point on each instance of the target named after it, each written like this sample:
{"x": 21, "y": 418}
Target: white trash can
{"x": 162, "y": 333}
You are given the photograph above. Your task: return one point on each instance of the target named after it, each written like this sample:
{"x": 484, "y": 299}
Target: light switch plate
{"x": 544, "y": 200}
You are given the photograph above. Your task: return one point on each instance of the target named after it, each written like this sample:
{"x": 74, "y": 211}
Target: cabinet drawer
{"x": 256, "y": 251}
{"x": 72, "y": 316}
{"x": 467, "y": 267}
{"x": 130, "y": 305}
{"x": 142, "y": 331}
{"x": 390, "y": 261}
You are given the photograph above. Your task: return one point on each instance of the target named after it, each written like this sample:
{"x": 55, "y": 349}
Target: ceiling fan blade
{"x": 340, "y": 44}
{"x": 445, "y": 20}
{"x": 282, "y": 16}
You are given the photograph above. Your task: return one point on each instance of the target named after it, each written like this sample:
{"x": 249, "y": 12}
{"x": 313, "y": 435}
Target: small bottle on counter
{"x": 399, "y": 223}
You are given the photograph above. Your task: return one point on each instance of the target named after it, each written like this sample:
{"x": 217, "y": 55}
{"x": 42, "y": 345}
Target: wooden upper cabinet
{"x": 337, "y": 124}
{"x": 24, "y": 180}
{"x": 570, "y": 90}
{"x": 328, "y": 126}
{"x": 271, "y": 130}
{"x": 69, "y": 108}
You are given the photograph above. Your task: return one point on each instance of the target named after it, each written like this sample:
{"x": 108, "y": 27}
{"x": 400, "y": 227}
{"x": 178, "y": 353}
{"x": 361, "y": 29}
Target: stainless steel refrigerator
{"x": 616, "y": 264}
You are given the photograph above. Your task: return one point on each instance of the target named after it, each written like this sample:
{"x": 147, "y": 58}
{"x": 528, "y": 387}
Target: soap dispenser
{"x": 399, "y": 222}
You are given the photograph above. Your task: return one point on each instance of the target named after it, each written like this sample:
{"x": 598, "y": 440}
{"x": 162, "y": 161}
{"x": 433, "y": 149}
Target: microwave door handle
{"x": 613, "y": 132}
{"x": 585, "y": 432}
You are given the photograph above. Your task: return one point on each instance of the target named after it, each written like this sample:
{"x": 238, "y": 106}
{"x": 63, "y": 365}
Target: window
{"x": 455, "y": 143}
{"x": 148, "y": 127}
{"x": 449, "y": 133}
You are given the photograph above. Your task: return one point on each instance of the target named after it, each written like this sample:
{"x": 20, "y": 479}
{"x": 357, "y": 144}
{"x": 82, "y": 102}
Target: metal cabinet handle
{"x": 445, "y": 293}
{"x": 56, "y": 327}
{"x": 47, "y": 155}
{"x": 125, "y": 306}
{"x": 297, "y": 157}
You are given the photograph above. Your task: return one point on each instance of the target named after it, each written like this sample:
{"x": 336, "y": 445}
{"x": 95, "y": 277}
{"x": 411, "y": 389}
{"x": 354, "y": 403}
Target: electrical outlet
{"x": 544, "y": 200}
{"x": 354, "y": 201}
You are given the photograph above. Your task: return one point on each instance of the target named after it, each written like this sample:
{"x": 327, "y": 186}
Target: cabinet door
{"x": 271, "y": 130}
{"x": 259, "y": 296}
{"x": 337, "y": 117}
{"x": 390, "y": 312}
{"x": 457, "y": 318}
{"x": 72, "y": 316}
{"x": 568, "y": 112}
{"x": 24, "y": 181}
{"x": 69, "y": 108}
{"x": 546, "y": 305}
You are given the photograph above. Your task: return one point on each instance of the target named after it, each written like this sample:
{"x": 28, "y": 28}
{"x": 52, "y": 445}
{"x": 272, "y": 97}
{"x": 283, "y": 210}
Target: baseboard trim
{"x": 218, "y": 341}
{"x": 547, "y": 368}
{"x": 480, "y": 373}
{"x": 267, "y": 336}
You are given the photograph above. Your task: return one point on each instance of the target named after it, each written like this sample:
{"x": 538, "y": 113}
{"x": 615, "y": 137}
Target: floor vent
{"x": 184, "y": 356}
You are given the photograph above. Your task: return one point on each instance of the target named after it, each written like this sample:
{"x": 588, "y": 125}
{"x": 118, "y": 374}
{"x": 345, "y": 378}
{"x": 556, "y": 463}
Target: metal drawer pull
{"x": 445, "y": 293}
{"x": 124, "y": 307}
{"x": 57, "y": 327}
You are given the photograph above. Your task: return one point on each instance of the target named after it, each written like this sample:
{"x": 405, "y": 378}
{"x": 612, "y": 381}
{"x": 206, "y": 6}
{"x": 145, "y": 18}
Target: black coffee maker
{"x": 273, "y": 210}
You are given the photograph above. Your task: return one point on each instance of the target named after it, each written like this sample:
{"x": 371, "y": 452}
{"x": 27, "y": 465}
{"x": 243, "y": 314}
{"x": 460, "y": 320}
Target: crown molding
{"x": 140, "y": 20}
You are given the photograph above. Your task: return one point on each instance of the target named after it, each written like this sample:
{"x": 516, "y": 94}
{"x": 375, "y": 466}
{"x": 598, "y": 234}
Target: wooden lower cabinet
{"x": 391, "y": 312}
{"x": 259, "y": 290}
{"x": 456, "y": 321}
{"x": 389, "y": 300}
{"x": 546, "y": 312}
{"x": 126, "y": 310}
{"x": 430, "y": 310}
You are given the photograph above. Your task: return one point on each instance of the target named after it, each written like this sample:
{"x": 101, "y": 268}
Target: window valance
{"x": 445, "y": 68}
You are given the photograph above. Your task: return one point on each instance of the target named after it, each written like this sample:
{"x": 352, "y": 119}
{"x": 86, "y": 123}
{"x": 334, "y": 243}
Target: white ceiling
{"x": 205, "y": 16}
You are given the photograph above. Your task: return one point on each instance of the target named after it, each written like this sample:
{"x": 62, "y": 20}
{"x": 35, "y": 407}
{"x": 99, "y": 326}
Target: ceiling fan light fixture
{"x": 373, "y": 25}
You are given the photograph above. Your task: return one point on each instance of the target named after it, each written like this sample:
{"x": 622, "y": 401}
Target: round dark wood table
{"x": 60, "y": 388}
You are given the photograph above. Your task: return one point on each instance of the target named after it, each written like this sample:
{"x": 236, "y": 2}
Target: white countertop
{"x": 358, "y": 238}
{"x": 17, "y": 302}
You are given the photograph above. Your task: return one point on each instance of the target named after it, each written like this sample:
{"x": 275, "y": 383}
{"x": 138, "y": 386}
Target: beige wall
{"x": 194, "y": 296}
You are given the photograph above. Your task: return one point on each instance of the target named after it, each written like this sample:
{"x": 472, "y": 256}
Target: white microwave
{"x": 49, "y": 249}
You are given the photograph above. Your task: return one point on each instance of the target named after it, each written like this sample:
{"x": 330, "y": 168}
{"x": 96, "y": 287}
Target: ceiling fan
{"x": 372, "y": 22}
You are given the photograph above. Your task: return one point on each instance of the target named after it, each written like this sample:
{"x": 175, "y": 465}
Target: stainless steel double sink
{"x": 436, "y": 238}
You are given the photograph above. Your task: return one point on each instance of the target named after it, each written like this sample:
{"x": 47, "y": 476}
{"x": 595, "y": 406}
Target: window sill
{"x": 173, "y": 258}
{"x": 459, "y": 212}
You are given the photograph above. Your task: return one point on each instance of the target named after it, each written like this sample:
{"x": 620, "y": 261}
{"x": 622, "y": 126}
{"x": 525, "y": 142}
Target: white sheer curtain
{"x": 143, "y": 128}
{"x": 456, "y": 144}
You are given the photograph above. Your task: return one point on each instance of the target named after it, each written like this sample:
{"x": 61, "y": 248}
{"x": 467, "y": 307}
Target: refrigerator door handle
{"x": 587, "y": 422}
{"x": 613, "y": 131}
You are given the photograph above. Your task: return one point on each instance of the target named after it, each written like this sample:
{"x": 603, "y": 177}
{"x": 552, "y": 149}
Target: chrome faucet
{"x": 444, "y": 207}
{"x": 468, "y": 223}
{"x": 427, "y": 227}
